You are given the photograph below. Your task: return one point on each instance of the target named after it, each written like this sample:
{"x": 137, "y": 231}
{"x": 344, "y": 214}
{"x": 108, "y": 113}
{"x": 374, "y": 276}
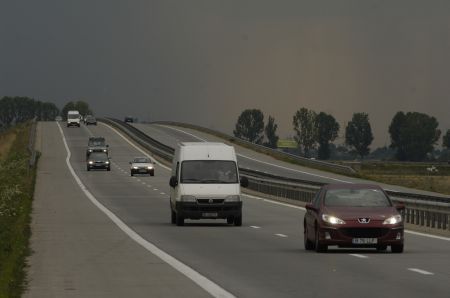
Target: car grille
{"x": 364, "y": 232}
{"x": 207, "y": 201}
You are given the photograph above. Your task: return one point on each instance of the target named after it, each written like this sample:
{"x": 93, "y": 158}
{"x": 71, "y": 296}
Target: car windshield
{"x": 99, "y": 156}
{"x": 209, "y": 171}
{"x": 73, "y": 116}
{"x": 142, "y": 160}
{"x": 356, "y": 198}
{"x": 97, "y": 142}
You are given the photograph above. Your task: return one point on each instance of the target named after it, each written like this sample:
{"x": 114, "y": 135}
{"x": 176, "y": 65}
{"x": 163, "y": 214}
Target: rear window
{"x": 97, "y": 142}
{"x": 142, "y": 160}
{"x": 356, "y": 198}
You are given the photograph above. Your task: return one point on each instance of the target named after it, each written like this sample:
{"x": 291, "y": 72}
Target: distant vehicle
{"x": 97, "y": 144}
{"x": 205, "y": 183}
{"x": 353, "y": 215}
{"x": 98, "y": 160}
{"x": 90, "y": 120}
{"x": 142, "y": 165}
{"x": 129, "y": 119}
{"x": 73, "y": 118}
{"x": 58, "y": 118}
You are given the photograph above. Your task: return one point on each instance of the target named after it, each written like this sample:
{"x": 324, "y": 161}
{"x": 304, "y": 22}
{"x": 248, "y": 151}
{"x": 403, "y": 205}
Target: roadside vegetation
{"x": 16, "y": 193}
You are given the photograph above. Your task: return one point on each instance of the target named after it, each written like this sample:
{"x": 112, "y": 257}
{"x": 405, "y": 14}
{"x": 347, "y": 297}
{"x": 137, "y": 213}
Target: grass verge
{"x": 16, "y": 194}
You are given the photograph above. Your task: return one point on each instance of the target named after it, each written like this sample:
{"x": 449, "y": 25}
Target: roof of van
{"x": 206, "y": 151}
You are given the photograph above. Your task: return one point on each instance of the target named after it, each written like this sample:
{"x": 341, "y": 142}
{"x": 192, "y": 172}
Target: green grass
{"x": 16, "y": 194}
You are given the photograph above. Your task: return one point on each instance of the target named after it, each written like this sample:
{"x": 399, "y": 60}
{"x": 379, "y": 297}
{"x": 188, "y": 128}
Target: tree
{"x": 250, "y": 126}
{"x": 413, "y": 135}
{"x": 270, "y": 130}
{"x": 80, "y": 106}
{"x": 358, "y": 134}
{"x": 446, "y": 140}
{"x": 305, "y": 130}
{"x": 327, "y": 130}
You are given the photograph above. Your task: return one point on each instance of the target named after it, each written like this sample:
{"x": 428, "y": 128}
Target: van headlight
{"x": 104, "y": 150}
{"x": 90, "y": 150}
{"x": 149, "y": 168}
{"x": 393, "y": 220}
{"x": 332, "y": 219}
{"x": 91, "y": 162}
{"x": 188, "y": 199}
{"x": 107, "y": 162}
{"x": 234, "y": 198}
{"x": 135, "y": 168}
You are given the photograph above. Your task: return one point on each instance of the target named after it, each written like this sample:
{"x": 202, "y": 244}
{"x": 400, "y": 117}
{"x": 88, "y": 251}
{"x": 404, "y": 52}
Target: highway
{"x": 172, "y": 135}
{"x": 263, "y": 258}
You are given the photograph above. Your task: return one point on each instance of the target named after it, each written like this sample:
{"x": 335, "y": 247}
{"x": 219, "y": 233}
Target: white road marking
{"x": 427, "y": 235}
{"x": 255, "y": 227}
{"x": 281, "y": 235}
{"x": 139, "y": 180}
{"x": 421, "y": 271}
{"x": 136, "y": 147}
{"x": 161, "y": 193}
{"x": 143, "y": 183}
{"x": 359, "y": 256}
{"x": 155, "y": 189}
{"x": 203, "y": 282}
{"x": 264, "y": 162}
{"x": 283, "y": 204}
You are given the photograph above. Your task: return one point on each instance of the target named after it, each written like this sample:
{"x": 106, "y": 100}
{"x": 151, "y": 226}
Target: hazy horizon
{"x": 204, "y": 62}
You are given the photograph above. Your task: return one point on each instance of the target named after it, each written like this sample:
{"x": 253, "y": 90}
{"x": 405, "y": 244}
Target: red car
{"x": 353, "y": 215}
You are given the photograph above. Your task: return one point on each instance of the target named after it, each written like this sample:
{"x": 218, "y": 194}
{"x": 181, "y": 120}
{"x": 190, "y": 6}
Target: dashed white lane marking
{"x": 162, "y": 193}
{"x": 139, "y": 180}
{"x": 359, "y": 256}
{"x": 263, "y": 162}
{"x": 421, "y": 271}
{"x": 155, "y": 189}
{"x": 255, "y": 227}
{"x": 136, "y": 147}
{"x": 149, "y": 186}
{"x": 206, "y": 284}
{"x": 281, "y": 235}
{"x": 143, "y": 183}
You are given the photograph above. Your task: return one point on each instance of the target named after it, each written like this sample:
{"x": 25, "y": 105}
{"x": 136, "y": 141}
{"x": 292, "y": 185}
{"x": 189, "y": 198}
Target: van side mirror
{"x": 244, "y": 181}
{"x": 173, "y": 182}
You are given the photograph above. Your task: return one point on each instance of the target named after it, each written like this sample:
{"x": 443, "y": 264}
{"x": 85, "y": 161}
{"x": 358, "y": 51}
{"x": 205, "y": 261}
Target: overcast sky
{"x": 203, "y": 62}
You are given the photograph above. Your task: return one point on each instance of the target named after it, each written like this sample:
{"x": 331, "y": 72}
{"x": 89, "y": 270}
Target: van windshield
{"x": 208, "y": 171}
{"x": 73, "y": 116}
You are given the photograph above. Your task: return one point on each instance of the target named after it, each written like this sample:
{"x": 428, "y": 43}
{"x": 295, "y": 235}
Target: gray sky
{"x": 205, "y": 61}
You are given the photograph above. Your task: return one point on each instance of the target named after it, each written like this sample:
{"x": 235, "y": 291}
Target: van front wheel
{"x": 238, "y": 221}
{"x": 173, "y": 216}
{"x": 179, "y": 219}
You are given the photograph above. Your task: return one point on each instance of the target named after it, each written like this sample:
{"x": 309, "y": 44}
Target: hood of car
{"x": 353, "y": 213}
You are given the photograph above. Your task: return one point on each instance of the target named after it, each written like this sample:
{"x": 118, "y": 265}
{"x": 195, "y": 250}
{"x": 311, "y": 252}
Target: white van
{"x": 73, "y": 118}
{"x": 205, "y": 183}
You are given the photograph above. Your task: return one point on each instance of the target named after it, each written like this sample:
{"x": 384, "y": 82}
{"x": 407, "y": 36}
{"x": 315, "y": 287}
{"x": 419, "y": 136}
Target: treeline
{"x": 15, "y": 110}
{"x": 413, "y": 135}
{"x": 80, "y": 106}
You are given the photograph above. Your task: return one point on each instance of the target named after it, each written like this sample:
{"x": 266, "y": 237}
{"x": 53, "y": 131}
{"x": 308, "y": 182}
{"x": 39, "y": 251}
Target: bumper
{"x": 194, "y": 210}
{"x": 98, "y": 166}
{"x": 143, "y": 171}
{"x": 73, "y": 124}
{"x": 344, "y": 237}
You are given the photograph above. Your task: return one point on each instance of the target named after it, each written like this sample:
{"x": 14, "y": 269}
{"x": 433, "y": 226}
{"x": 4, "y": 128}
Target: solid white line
{"x": 263, "y": 162}
{"x": 281, "y": 235}
{"x": 421, "y": 271}
{"x": 136, "y": 147}
{"x": 427, "y": 235}
{"x": 283, "y": 204}
{"x": 359, "y": 256}
{"x": 255, "y": 227}
{"x": 196, "y": 277}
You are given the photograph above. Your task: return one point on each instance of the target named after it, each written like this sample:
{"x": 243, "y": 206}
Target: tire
{"x": 309, "y": 245}
{"x": 173, "y": 216}
{"x": 152, "y": 174}
{"x": 318, "y": 246}
{"x": 88, "y": 169}
{"x": 381, "y": 247}
{"x": 108, "y": 169}
{"x": 397, "y": 248}
{"x": 238, "y": 220}
{"x": 131, "y": 174}
{"x": 179, "y": 220}
{"x": 230, "y": 220}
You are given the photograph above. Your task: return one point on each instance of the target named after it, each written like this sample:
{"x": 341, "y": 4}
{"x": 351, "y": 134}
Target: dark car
{"x": 90, "y": 120}
{"x": 98, "y": 160}
{"x": 142, "y": 165}
{"x": 129, "y": 119}
{"x": 97, "y": 144}
{"x": 353, "y": 215}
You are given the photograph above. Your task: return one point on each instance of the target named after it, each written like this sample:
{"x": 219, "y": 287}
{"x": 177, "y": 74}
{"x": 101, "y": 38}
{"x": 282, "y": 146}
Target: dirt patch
{"x": 6, "y": 141}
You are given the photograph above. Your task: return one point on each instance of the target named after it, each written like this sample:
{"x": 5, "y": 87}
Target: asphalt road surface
{"x": 263, "y": 258}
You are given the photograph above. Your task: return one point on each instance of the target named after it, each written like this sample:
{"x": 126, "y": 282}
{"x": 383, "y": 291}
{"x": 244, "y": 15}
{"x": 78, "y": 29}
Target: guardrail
{"x": 421, "y": 210}
{"x": 264, "y": 149}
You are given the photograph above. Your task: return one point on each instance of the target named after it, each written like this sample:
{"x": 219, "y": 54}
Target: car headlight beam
{"x": 393, "y": 220}
{"x": 332, "y": 219}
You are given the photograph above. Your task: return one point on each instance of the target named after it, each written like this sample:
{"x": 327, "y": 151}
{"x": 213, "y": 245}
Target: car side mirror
{"x": 173, "y": 182}
{"x": 311, "y": 207}
{"x": 400, "y": 206}
{"x": 244, "y": 181}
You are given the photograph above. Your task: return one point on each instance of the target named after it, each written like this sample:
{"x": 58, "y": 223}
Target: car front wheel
{"x": 397, "y": 248}
{"x": 319, "y": 246}
{"x": 309, "y": 245}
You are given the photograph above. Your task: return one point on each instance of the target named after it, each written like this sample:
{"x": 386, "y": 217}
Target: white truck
{"x": 205, "y": 183}
{"x": 73, "y": 118}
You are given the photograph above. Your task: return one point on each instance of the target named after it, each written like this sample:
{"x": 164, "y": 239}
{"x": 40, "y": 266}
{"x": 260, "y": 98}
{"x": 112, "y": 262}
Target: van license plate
{"x": 364, "y": 240}
{"x": 209, "y": 214}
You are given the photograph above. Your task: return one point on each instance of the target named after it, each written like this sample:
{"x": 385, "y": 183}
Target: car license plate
{"x": 209, "y": 214}
{"x": 142, "y": 170}
{"x": 364, "y": 240}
